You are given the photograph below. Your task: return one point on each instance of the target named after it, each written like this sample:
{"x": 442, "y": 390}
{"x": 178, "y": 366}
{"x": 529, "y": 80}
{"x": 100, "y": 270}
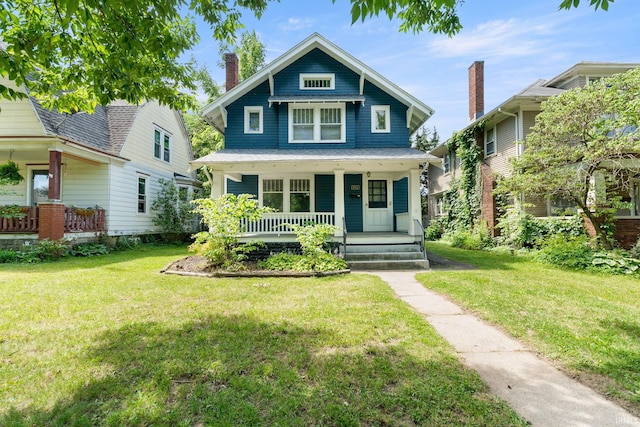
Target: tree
{"x": 74, "y": 54}
{"x": 251, "y": 54}
{"x": 584, "y": 148}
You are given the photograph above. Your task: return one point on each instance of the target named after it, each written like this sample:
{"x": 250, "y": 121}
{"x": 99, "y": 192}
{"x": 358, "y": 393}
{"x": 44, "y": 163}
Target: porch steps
{"x": 402, "y": 256}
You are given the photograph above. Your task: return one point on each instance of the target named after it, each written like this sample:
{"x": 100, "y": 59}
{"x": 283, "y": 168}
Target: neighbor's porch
{"x": 53, "y": 220}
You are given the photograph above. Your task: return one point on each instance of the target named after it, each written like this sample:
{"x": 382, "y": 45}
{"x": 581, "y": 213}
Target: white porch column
{"x": 217, "y": 184}
{"x": 338, "y": 202}
{"x": 415, "y": 207}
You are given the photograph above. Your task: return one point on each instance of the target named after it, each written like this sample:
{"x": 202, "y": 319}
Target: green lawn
{"x": 110, "y": 341}
{"x": 588, "y": 323}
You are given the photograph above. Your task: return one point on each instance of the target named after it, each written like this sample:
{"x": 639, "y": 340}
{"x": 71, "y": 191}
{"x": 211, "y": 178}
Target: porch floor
{"x": 379, "y": 238}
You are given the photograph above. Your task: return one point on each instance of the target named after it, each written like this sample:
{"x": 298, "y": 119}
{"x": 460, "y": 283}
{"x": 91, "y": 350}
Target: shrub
{"x": 285, "y": 261}
{"x": 616, "y": 262}
{"x": 522, "y": 230}
{"x": 314, "y": 238}
{"x": 174, "y": 215}
{"x": 7, "y": 256}
{"x": 225, "y": 218}
{"x": 89, "y": 249}
{"x": 635, "y": 250}
{"x": 436, "y": 229}
{"x": 477, "y": 239}
{"x": 563, "y": 251}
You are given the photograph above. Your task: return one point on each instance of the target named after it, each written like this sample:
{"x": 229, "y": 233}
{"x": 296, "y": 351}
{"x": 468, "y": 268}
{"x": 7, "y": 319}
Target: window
{"x": 378, "y": 193}
{"x": 288, "y": 194}
{"x": 380, "y": 119}
{"x": 446, "y": 162}
{"x": 300, "y": 195}
{"x": 162, "y": 145}
{"x": 273, "y": 194}
{"x": 253, "y": 119}
{"x": 39, "y": 186}
{"x": 183, "y": 193}
{"x": 490, "y": 142}
{"x": 439, "y": 206}
{"x": 317, "y": 123}
{"x": 142, "y": 195}
{"x": 317, "y": 81}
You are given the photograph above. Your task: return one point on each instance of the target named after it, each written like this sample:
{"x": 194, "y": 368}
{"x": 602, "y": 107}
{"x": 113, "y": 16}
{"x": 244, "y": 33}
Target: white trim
{"x": 318, "y": 76}
{"x": 316, "y": 122}
{"x": 248, "y": 109}
{"x": 163, "y": 135}
{"x": 386, "y": 109}
{"x": 495, "y": 141}
{"x": 140, "y": 176}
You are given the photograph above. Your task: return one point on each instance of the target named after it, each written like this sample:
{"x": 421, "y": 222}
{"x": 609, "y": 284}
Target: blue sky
{"x": 520, "y": 42}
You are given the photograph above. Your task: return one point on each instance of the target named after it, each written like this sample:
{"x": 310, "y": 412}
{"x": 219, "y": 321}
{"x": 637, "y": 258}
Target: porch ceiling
{"x": 311, "y": 160}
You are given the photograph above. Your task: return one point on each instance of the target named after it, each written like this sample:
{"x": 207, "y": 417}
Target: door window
{"x": 378, "y": 193}
{"x": 39, "y": 186}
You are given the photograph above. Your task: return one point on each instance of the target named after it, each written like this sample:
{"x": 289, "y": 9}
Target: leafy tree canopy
{"x": 75, "y": 54}
{"x": 585, "y": 141}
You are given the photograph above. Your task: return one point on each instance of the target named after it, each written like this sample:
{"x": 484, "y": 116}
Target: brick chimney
{"x": 231, "y": 64}
{"x": 476, "y": 90}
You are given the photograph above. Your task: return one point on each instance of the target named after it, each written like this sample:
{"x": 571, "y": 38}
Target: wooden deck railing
{"x": 79, "y": 220}
{"x": 275, "y": 223}
{"x": 26, "y": 223}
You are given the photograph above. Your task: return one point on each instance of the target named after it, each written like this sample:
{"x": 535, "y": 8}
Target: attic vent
{"x": 317, "y": 81}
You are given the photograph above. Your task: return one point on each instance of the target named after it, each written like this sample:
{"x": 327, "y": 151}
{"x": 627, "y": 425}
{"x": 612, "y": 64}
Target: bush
{"x": 570, "y": 252}
{"x": 436, "y": 229}
{"x": 635, "y": 250}
{"x": 89, "y": 249}
{"x": 7, "y": 256}
{"x": 477, "y": 239}
{"x": 173, "y": 215}
{"x": 522, "y": 230}
{"x": 285, "y": 261}
{"x": 617, "y": 262}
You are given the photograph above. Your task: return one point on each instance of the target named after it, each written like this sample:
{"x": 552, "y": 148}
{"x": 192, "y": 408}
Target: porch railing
{"x": 27, "y": 222}
{"x": 276, "y": 223}
{"x": 79, "y": 220}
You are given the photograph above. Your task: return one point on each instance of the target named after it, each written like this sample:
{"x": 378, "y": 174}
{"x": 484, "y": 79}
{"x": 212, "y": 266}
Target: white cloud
{"x": 296, "y": 24}
{"x": 497, "y": 39}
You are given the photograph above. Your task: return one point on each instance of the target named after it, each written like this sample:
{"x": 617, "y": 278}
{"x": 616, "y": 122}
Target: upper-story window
{"x": 317, "y": 123}
{"x": 253, "y": 119}
{"x": 162, "y": 145}
{"x": 323, "y": 81}
{"x": 446, "y": 162}
{"x": 490, "y": 142}
{"x": 380, "y": 120}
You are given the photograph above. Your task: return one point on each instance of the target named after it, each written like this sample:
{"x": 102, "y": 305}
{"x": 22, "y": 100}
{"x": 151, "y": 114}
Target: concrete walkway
{"x": 537, "y": 391}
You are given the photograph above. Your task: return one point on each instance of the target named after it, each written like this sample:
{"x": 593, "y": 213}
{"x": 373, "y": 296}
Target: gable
{"x": 18, "y": 118}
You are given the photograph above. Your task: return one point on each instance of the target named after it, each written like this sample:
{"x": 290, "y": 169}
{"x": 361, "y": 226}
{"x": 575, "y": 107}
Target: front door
{"x": 378, "y": 211}
{"x": 353, "y": 202}
{"x": 39, "y": 186}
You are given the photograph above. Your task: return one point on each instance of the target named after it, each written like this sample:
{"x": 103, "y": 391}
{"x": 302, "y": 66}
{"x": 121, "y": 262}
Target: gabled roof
{"x": 215, "y": 112}
{"x": 591, "y": 68}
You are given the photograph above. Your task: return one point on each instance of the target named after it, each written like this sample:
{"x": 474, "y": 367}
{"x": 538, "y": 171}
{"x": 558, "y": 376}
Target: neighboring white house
{"x": 110, "y": 161}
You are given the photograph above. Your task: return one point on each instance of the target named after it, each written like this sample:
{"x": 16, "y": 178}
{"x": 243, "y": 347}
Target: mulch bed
{"x": 198, "y": 266}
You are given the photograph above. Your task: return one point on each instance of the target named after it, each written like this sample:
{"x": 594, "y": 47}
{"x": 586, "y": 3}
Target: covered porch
{"x": 371, "y": 191}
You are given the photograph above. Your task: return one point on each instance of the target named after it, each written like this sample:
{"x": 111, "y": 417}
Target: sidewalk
{"x": 537, "y": 391}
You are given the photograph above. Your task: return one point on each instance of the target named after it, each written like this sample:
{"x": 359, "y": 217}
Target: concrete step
{"x": 384, "y": 248}
{"x": 382, "y": 256}
{"x": 416, "y": 264}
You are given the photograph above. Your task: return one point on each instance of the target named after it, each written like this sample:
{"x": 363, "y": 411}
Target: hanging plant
{"x": 10, "y": 174}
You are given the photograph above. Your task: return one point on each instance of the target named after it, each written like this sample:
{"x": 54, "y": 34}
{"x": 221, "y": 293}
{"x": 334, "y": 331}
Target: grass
{"x": 110, "y": 341}
{"x": 588, "y": 323}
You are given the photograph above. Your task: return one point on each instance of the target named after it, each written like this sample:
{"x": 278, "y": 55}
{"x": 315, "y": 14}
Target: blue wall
{"x": 249, "y": 185}
{"x": 325, "y": 190}
{"x": 401, "y": 196}
{"x": 352, "y": 205}
{"x": 287, "y": 82}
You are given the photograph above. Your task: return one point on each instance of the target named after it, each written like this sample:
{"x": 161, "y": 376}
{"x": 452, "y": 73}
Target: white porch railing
{"x": 275, "y": 223}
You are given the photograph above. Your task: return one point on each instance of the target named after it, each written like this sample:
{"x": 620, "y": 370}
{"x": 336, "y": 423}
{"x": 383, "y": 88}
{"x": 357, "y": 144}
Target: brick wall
{"x": 627, "y": 232}
{"x": 51, "y": 219}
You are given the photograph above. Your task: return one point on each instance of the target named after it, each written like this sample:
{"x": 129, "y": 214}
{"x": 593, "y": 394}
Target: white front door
{"x": 378, "y": 206}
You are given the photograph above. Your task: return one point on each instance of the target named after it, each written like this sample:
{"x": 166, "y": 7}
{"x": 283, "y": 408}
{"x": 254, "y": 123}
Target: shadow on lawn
{"x": 240, "y": 371}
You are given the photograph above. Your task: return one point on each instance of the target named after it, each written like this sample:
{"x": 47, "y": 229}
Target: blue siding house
{"x": 319, "y": 136}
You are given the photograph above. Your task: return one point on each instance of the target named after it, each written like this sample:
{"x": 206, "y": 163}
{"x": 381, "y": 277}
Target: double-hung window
{"x": 316, "y": 123}
{"x": 142, "y": 194}
{"x": 287, "y": 195}
{"x": 490, "y": 142}
{"x": 162, "y": 145}
{"x": 446, "y": 162}
{"x": 253, "y": 119}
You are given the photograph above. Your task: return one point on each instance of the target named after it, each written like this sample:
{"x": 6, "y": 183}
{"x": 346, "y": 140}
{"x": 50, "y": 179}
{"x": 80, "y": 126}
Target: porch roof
{"x": 235, "y": 156}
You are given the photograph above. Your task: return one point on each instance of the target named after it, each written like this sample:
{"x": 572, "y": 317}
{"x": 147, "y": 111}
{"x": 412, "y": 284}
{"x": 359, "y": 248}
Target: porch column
{"x": 217, "y": 184}
{"x": 51, "y": 221}
{"x": 415, "y": 207}
{"x": 339, "y": 200}
{"x": 55, "y": 170}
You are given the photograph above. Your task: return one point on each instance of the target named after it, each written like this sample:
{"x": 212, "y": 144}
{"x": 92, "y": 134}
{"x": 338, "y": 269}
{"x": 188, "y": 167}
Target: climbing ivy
{"x": 464, "y": 197}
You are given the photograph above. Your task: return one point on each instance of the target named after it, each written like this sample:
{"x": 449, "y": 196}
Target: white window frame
{"x": 304, "y": 77}
{"x": 486, "y": 141}
{"x": 247, "y": 115}
{"x": 439, "y": 206}
{"x": 163, "y": 136}
{"x": 316, "y": 122}
{"x": 387, "y": 114}
{"x": 286, "y": 190}
{"x": 145, "y": 194}
{"x": 446, "y": 163}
